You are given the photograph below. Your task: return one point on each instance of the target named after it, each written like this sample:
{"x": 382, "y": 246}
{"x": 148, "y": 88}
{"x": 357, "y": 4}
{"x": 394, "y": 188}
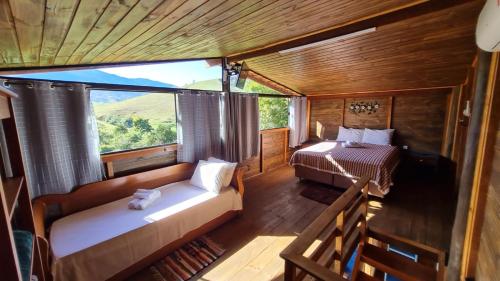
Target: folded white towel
{"x": 141, "y": 204}
{"x": 147, "y": 194}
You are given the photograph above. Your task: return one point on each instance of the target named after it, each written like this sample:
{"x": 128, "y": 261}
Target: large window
{"x": 273, "y": 111}
{"x": 130, "y": 120}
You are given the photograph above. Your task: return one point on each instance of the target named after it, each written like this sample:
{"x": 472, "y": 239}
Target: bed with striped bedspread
{"x": 376, "y": 161}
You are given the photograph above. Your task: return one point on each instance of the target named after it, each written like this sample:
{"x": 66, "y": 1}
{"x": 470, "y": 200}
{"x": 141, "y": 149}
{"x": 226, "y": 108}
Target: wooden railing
{"x": 339, "y": 228}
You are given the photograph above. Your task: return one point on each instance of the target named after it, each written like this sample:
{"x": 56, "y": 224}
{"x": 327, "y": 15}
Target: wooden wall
{"x": 417, "y": 116}
{"x": 274, "y": 152}
{"x": 488, "y": 257}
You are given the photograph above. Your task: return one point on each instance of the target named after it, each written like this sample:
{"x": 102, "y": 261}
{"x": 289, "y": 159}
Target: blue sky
{"x": 178, "y": 73}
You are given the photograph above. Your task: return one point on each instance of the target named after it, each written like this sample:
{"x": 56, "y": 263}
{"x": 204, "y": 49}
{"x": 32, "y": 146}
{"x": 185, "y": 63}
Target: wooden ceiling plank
{"x": 143, "y": 50}
{"x": 257, "y": 23}
{"x": 140, "y": 18}
{"x": 232, "y": 18}
{"x": 58, "y": 18}
{"x": 140, "y": 40}
{"x": 28, "y": 18}
{"x": 188, "y": 34}
{"x": 319, "y": 14}
{"x": 202, "y": 22}
{"x": 114, "y": 13}
{"x": 391, "y": 16}
{"x": 86, "y": 15}
{"x": 10, "y": 53}
{"x": 142, "y": 27}
{"x": 315, "y": 16}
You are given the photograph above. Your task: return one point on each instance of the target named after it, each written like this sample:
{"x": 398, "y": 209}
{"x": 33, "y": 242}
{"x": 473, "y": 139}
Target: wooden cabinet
{"x": 16, "y": 216}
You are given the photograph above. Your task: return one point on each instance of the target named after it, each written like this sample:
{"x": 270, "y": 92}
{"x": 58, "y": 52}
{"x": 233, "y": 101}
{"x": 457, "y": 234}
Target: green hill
{"x": 209, "y": 85}
{"x": 156, "y": 107}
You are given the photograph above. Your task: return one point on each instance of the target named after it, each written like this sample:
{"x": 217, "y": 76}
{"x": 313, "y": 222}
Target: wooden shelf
{"x": 11, "y": 188}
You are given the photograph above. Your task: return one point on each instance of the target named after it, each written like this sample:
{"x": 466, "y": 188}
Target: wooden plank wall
{"x": 418, "y": 117}
{"x": 481, "y": 248}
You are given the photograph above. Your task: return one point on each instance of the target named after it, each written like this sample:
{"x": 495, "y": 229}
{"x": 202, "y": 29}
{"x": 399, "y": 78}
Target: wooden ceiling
{"x": 432, "y": 50}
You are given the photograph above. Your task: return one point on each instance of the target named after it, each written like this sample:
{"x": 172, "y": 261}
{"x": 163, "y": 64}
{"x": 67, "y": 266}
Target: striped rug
{"x": 183, "y": 263}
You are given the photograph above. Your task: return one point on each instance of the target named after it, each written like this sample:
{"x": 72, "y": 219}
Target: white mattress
{"x": 97, "y": 243}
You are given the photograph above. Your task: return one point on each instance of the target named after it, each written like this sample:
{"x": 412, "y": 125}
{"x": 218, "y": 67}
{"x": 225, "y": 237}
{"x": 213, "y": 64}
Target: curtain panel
{"x": 198, "y": 125}
{"x": 58, "y": 136}
{"x": 241, "y": 128}
{"x": 297, "y": 119}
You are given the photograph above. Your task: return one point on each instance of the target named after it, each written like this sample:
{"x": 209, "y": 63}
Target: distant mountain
{"x": 98, "y": 76}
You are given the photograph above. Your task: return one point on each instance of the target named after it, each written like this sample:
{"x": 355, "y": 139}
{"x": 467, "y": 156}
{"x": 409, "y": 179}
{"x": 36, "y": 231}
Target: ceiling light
{"x": 327, "y": 41}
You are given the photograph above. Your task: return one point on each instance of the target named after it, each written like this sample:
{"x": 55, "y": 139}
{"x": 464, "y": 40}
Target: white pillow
{"x": 209, "y": 176}
{"x": 354, "y": 135}
{"x": 382, "y": 137}
{"x": 228, "y": 170}
{"x": 344, "y": 134}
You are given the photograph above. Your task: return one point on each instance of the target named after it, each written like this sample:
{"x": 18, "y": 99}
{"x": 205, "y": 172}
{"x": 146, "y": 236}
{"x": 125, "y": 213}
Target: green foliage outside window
{"x": 139, "y": 122}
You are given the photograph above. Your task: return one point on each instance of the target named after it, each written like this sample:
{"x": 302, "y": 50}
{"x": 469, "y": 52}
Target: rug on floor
{"x": 322, "y": 194}
{"x": 183, "y": 263}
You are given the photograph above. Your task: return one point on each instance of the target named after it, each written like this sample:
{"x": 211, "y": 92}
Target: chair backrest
{"x": 339, "y": 228}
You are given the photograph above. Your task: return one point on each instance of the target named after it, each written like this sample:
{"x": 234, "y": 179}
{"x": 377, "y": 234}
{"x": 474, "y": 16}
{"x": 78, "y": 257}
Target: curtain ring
{"x": 6, "y": 84}
{"x": 71, "y": 88}
{"x": 30, "y": 85}
{"x": 51, "y": 85}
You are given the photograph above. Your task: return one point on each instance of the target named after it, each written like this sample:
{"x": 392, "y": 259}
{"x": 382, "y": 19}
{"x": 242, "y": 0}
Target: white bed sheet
{"x": 97, "y": 243}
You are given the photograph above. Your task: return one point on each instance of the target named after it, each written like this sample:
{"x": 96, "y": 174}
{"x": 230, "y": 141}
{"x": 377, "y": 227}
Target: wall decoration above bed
{"x": 364, "y": 107}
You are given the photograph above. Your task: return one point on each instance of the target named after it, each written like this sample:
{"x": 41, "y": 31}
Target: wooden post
{"x": 290, "y": 271}
{"x": 469, "y": 165}
{"x": 389, "y": 111}
{"x": 337, "y": 263}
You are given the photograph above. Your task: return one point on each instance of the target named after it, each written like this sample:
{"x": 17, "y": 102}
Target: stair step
{"x": 397, "y": 265}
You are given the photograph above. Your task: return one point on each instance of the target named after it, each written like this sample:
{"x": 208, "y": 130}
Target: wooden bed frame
{"x": 99, "y": 193}
{"x": 332, "y": 179}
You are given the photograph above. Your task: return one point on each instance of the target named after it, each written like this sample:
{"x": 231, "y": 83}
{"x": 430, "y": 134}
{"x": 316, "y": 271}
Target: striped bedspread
{"x": 376, "y": 161}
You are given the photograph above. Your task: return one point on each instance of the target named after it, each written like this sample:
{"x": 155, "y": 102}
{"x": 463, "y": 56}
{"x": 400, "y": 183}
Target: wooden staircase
{"x": 343, "y": 228}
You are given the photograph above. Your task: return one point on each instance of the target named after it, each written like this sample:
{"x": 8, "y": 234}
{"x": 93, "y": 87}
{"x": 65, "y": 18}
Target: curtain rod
{"x": 129, "y": 88}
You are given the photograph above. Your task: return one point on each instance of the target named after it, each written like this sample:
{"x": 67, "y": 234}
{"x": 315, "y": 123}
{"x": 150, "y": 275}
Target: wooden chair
{"x": 342, "y": 228}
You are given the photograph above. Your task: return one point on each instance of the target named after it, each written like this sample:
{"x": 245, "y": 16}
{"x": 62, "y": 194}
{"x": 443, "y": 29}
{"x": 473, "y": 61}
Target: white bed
{"x": 99, "y": 242}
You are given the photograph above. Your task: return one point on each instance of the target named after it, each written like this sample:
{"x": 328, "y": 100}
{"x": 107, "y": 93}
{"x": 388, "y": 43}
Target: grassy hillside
{"x": 156, "y": 107}
{"x": 209, "y": 85}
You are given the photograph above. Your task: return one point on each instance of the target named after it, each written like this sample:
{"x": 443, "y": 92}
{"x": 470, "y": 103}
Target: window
{"x": 273, "y": 111}
{"x": 197, "y": 74}
{"x": 131, "y": 120}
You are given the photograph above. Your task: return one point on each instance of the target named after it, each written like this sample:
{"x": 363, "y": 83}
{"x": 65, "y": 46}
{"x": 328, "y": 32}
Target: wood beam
{"x": 387, "y": 17}
{"x": 469, "y": 166}
{"x": 259, "y": 78}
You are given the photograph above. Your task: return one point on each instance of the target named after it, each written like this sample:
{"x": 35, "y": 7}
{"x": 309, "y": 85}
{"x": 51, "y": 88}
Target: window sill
{"x": 113, "y": 156}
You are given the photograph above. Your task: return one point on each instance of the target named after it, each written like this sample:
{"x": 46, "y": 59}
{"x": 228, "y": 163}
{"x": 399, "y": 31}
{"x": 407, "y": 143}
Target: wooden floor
{"x": 274, "y": 213}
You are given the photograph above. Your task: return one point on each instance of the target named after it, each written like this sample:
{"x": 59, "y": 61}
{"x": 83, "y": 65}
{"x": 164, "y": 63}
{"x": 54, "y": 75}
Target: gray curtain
{"x": 198, "y": 125}
{"x": 241, "y": 127}
{"x": 58, "y": 136}
{"x": 297, "y": 119}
